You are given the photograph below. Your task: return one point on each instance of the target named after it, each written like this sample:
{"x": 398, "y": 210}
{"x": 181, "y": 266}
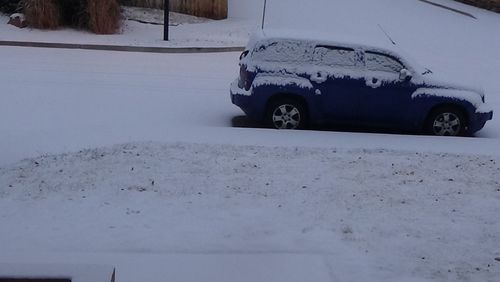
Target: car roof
{"x": 376, "y": 43}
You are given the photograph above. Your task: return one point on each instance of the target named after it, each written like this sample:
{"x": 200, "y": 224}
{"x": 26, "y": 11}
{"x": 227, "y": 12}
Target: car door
{"x": 386, "y": 98}
{"x": 337, "y": 81}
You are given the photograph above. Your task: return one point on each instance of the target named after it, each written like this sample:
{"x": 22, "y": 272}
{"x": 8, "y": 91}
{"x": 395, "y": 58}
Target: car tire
{"x": 446, "y": 121}
{"x": 286, "y": 114}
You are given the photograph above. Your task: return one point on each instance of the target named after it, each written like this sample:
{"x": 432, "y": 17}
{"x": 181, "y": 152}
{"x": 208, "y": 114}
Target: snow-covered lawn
{"x": 377, "y": 215}
{"x": 188, "y": 194}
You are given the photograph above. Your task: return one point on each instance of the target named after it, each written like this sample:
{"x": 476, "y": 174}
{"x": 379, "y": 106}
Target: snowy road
{"x": 63, "y": 100}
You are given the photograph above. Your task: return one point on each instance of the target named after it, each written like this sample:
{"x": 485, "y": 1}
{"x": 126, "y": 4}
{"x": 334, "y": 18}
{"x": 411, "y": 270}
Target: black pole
{"x": 166, "y": 18}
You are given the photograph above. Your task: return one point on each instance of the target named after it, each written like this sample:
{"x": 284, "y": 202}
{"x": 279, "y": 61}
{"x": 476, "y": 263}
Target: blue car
{"x": 289, "y": 82}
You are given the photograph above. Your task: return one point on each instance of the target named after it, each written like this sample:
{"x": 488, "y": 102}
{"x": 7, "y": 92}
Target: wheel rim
{"x": 286, "y": 117}
{"x": 447, "y": 124}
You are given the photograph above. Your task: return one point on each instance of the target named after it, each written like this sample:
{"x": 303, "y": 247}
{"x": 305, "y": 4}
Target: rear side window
{"x": 381, "y": 62}
{"x": 282, "y": 51}
{"x": 335, "y": 56}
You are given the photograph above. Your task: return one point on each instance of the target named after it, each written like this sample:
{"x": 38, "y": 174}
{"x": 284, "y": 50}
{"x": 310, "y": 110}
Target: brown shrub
{"x": 73, "y": 12}
{"x": 44, "y": 14}
{"x": 103, "y": 16}
{"x": 100, "y": 16}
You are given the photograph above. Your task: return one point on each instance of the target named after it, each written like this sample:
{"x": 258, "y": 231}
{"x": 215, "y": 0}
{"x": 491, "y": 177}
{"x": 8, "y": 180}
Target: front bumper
{"x": 478, "y": 121}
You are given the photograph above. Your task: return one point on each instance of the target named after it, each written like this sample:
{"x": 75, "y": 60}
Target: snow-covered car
{"x": 290, "y": 82}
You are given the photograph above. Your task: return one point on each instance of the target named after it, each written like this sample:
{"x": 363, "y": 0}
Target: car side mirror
{"x": 405, "y": 75}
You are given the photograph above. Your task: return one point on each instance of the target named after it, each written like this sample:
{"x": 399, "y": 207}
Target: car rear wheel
{"x": 286, "y": 114}
{"x": 446, "y": 121}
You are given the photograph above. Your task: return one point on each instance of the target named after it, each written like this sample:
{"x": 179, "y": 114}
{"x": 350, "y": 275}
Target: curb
{"x": 171, "y": 50}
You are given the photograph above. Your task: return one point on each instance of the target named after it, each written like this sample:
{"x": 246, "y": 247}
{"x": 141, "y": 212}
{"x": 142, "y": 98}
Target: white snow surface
{"x": 189, "y": 267}
{"x": 335, "y": 209}
{"x": 376, "y": 215}
{"x": 72, "y": 272}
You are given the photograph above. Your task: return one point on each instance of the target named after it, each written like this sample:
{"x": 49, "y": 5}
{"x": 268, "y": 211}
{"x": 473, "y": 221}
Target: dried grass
{"x": 100, "y": 16}
{"x": 43, "y": 14}
{"x": 103, "y": 16}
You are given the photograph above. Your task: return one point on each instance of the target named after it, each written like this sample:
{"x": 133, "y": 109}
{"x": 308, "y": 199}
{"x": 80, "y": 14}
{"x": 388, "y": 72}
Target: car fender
{"x": 266, "y": 86}
{"x": 427, "y": 99}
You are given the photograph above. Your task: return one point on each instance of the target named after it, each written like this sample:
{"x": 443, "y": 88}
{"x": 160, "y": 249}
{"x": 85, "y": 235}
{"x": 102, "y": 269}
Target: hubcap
{"x": 447, "y": 124}
{"x": 286, "y": 117}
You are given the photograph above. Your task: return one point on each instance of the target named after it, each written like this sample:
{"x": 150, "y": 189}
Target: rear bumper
{"x": 245, "y": 101}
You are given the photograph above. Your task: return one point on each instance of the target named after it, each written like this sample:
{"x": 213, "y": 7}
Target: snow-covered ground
{"x": 375, "y": 215}
{"x": 192, "y": 197}
{"x": 185, "y": 31}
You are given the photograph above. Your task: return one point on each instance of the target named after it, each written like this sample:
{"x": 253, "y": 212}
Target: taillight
{"x": 245, "y": 81}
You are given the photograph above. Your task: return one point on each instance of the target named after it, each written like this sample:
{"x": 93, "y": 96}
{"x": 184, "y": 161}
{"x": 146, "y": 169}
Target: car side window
{"x": 381, "y": 62}
{"x": 282, "y": 51}
{"x": 335, "y": 56}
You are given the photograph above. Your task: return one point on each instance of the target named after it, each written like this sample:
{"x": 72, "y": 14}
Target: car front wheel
{"x": 286, "y": 114}
{"x": 446, "y": 121}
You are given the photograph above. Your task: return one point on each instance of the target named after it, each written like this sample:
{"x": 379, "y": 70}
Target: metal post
{"x": 166, "y": 18}
{"x": 264, "y": 15}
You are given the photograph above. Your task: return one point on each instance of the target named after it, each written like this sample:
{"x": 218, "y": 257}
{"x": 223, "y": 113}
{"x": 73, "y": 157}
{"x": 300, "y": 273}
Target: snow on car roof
{"x": 363, "y": 42}
{"x": 372, "y": 42}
